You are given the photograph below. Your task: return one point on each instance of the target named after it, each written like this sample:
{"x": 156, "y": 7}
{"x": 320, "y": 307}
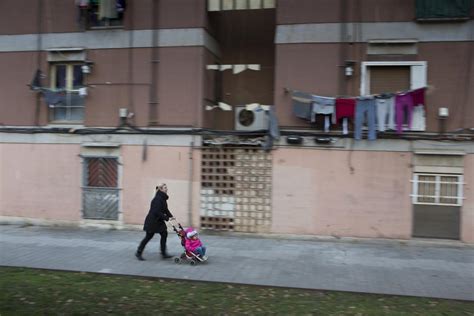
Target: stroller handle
{"x": 175, "y": 224}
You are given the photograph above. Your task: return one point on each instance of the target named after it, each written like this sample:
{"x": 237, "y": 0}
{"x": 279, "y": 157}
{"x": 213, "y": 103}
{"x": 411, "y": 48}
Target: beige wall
{"x": 40, "y": 181}
{"x": 467, "y": 210}
{"x": 342, "y": 193}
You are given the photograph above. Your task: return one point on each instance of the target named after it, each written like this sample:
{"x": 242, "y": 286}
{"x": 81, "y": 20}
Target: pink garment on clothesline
{"x": 403, "y": 103}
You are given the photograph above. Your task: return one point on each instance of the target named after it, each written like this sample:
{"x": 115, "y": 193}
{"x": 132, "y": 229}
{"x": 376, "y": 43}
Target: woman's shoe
{"x": 139, "y": 256}
{"x": 166, "y": 256}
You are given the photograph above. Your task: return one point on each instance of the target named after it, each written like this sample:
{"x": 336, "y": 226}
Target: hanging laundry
{"x": 120, "y": 6}
{"x": 54, "y": 97}
{"x": 365, "y": 105}
{"x": 403, "y": 107}
{"x": 418, "y": 96}
{"x": 83, "y": 91}
{"x": 344, "y": 108}
{"x": 36, "y": 81}
{"x": 239, "y": 68}
{"x": 82, "y": 3}
{"x": 273, "y": 129}
{"x": 302, "y": 103}
{"x": 418, "y": 119}
{"x": 324, "y": 106}
{"x": 108, "y": 9}
{"x": 385, "y": 104}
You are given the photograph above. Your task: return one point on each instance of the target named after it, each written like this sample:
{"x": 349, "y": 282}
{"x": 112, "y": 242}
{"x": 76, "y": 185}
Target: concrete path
{"x": 429, "y": 269}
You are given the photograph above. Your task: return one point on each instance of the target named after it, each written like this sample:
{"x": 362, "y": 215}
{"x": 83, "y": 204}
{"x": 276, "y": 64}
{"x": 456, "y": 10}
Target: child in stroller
{"x": 194, "y": 251}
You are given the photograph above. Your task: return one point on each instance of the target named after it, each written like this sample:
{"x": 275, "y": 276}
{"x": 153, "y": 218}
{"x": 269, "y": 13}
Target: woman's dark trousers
{"x": 148, "y": 237}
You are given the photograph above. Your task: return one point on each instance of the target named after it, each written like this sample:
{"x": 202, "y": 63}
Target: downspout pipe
{"x": 130, "y": 61}
{"x": 154, "y": 63}
{"x": 190, "y": 183}
{"x": 342, "y": 87}
{"x": 39, "y": 44}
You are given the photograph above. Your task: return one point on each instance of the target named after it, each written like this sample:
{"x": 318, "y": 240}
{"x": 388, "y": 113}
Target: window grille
{"x": 100, "y": 193}
{"x": 66, "y": 80}
{"x": 437, "y": 189}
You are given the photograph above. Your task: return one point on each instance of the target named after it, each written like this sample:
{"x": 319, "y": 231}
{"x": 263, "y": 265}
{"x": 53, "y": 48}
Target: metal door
{"x": 100, "y": 194}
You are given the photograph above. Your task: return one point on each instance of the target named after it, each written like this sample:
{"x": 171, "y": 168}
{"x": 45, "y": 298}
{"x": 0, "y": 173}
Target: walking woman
{"x": 155, "y": 222}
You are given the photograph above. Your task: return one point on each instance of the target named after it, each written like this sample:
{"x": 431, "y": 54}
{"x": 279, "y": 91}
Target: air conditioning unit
{"x": 250, "y": 120}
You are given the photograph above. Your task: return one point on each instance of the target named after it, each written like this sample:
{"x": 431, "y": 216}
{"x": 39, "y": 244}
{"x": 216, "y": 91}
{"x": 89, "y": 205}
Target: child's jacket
{"x": 192, "y": 244}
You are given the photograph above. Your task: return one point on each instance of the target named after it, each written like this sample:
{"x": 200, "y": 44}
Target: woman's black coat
{"x": 158, "y": 214}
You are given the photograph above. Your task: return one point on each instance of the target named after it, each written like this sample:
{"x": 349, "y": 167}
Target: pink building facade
{"x": 179, "y": 91}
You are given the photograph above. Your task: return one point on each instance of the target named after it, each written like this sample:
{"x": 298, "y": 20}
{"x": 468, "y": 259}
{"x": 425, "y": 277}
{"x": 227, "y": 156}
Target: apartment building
{"x": 104, "y": 99}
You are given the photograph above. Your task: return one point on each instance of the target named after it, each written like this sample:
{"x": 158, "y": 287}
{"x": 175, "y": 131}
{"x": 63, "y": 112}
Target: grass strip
{"x": 26, "y": 291}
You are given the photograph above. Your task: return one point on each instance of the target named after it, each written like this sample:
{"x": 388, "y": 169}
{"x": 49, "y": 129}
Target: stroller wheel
{"x": 192, "y": 262}
{"x": 177, "y": 260}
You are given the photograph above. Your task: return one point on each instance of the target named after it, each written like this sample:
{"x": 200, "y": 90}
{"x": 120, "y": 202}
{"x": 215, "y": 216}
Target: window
{"x": 101, "y": 13}
{"x": 66, "y": 82}
{"x": 437, "y": 189}
{"x": 392, "y": 76}
{"x": 433, "y": 10}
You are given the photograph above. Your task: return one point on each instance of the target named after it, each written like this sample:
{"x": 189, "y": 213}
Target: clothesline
{"x": 382, "y": 110}
{"x": 384, "y": 94}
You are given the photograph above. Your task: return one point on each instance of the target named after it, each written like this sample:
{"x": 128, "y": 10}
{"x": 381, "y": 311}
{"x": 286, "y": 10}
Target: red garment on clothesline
{"x": 345, "y": 108}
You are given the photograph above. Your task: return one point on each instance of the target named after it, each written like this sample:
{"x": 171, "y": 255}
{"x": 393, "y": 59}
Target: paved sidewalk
{"x": 387, "y": 267}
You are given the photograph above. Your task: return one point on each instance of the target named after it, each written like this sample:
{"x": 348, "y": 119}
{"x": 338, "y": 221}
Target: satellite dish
{"x": 246, "y": 117}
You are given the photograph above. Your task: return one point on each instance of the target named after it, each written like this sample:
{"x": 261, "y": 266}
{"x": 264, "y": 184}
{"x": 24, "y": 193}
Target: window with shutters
{"x": 379, "y": 77}
{"x": 389, "y": 79}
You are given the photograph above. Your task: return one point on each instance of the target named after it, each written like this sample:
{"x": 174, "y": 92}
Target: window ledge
{"x": 63, "y": 124}
{"x": 447, "y": 19}
{"x": 112, "y": 27}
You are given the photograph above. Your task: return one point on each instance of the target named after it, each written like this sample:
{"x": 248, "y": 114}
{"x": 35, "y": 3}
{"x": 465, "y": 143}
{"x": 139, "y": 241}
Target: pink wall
{"x": 467, "y": 210}
{"x": 315, "y": 192}
{"x": 164, "y": 164}
{"x": 40, "y": 181}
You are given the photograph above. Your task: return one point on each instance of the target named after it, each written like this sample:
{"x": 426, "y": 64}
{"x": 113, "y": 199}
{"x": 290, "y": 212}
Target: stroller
{"x": 186, "y": 256}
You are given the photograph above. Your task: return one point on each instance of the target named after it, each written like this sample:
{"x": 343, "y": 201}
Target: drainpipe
{"x": 153, "y": 103}
{"x": 190, "y": 183}
{"x": 342, "y": 89}
{"x": 38, "y": 56}
{"x": 130, "y": 61}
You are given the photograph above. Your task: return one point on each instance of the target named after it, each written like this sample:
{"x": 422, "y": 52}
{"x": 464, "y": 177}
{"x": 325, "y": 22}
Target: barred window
{"x": 65, "y": 102}
{"x": 437, "y": 189}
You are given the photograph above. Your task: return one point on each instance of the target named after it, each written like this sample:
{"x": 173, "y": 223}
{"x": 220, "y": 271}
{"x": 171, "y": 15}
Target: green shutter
{"x": 443, "y": 9}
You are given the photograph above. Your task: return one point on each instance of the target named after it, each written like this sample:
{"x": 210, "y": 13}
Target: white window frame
{"x": 459, "y": 194}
